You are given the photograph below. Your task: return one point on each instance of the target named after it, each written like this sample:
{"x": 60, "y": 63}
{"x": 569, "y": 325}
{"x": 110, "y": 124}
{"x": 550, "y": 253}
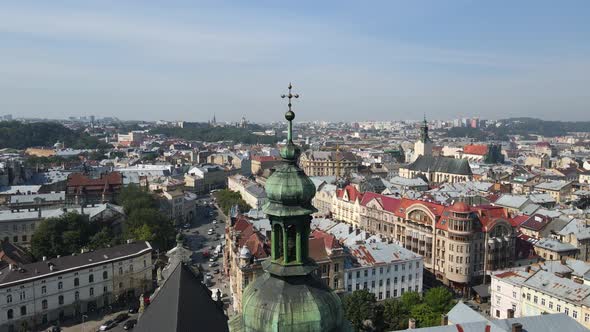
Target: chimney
{"x": 51, "y": 267}
{"x": 412, "y": 324}
{"x": 528, "y": 269}
{"x": 516, "y": 327}
{"x": 444, "y": 320}
{"x": 44, "y": 258}
{"x": 509, "y": 313}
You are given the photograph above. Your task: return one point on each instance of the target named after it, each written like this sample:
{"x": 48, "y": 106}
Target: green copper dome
{"x": 289, "y": 192}
{"x": 296, "y": 304}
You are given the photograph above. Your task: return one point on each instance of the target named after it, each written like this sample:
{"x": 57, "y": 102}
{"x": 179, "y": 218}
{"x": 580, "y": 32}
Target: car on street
{"x": 132, "y": 310}
{"x": 216, "y": 271}
{"x": 211, "y": 247}
{"x": 214, "y": 222}
{"x": 109, "y": 324}
{"x": 130, "y": 324}
{"x": 187, "y": 225}
{"x": 208, "y": 276}
{"x": 210, "y": 231}
{"x": 214, "y": 264}
{"x": 121, "y": 317}
{"x": 54, "y": 329}
{"x": 212, "y": 259}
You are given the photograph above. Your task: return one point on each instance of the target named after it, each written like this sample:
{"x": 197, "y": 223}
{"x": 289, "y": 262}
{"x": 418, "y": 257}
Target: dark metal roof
{"x": 63, "y": 264}
{"x": 183, "y": 304}
{"x": 441, "y": 164}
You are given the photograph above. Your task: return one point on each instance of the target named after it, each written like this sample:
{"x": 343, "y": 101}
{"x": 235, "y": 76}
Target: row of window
{"x": 387, "y": 293}
{"x": 566, "y": 310}
{"x": 381, "y": 270}
{"x": 44, "y": 303}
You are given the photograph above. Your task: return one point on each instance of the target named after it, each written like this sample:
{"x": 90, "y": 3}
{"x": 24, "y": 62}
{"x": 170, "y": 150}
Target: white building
{"x": 506, "y": 293}
{"x": 58, "y": 288}
{"x": 385, "y": 269}
{"x": 251, "y": 192}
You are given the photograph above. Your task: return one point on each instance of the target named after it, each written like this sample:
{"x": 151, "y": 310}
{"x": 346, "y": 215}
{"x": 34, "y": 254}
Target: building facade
{"x": 328, "y": 163}
{"x": 65, "y": 287}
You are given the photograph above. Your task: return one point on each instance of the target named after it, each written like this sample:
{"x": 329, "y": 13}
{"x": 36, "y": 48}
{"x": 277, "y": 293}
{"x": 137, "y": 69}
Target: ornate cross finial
{"x": 290, "y": 115}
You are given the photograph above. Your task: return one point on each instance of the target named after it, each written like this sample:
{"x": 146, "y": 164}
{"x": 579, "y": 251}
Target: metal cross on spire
{"x": 290, "y": 115}
{"x": 290, "y": 95}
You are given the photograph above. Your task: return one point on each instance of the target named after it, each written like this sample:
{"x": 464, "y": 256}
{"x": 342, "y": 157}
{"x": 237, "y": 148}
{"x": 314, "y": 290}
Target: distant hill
{"x": 521, "y": 126}
{"x": 206, "y": 133}
{"x": 18, "y": 135}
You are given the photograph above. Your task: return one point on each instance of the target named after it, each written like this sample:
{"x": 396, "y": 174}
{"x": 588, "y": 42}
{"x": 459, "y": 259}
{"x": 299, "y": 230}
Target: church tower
{"x": 423, "y": 146}
{"x": 289, "y": 297}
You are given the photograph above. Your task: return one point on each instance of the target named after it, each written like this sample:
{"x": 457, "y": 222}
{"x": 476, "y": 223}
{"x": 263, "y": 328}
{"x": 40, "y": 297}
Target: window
{"x": 335, "y": 282}
{"x": 43, "y": 289}
{"x": 574, "y": 314}
{"x": 60, "y": 285}
{"x": 365, "y": 285}
{"x": 387, "y": 281}
{"x": 130, "y": 267}
{"x": 358, "y": 274}
{"x": 559, "y": 308}
{"x": 498, "y": 288}
{"x": 373, "y": 284}
{"x": 567, "y": 311}
{"x": 22, "y": 295}
{"x": 349, "y": 287}
{"x": 91, "y": 291}
{"x": 336, "y": 267}
{"x": 387, "y": 294}
{"x": 380, "y": 282}
{"x": 535, "y": 299}
{"x": 105, "y": 275}
{"x": 23, "y": 310}
{"x": 76, "y": 295}
{"x": 76, "y": 282}
{"x": 381, "y": 270}
{"x": 8, "y": 298}
{"x": 586, "y": 318}
{"x": 145, "y": 265}
{"x": 10, "y": 314}
{"x": 514, "y": 294}
{"x": 542, "y": 301}
{"x": 550, "y": 305}
{"x": 15, "y": 238}
{"x": 528, "y": 296}
{"x": 395, "y": 280}
{"x": 120, "y": 270}
{"x": 120, "y": 285}
{"x": 24, "y": 237}
{"x": 366, "y": 273}
{"x": 44, "y": 304}
{"x": 403, "y": 278}
{"x": 380, "y": 295}
{"x": 60, "y": 299}
{"x": 91, "y": 278}
{"x": 357, "y": 286}
{"x": 395, "y": 293}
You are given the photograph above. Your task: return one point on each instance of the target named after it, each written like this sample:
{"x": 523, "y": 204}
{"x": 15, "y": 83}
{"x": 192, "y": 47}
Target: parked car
{"x": 212, "y": 259}
{"x": 130, "y": 324}
{"x": 208, "y": 276}
{"x": 121, "y": 317}
{"x": 214, "y": 222}
{"x": 109, "y": 324}
{"x": 132, "y": 310}
{"x": 54, "y": 329}
{"x": 216, "y": 271}
{"x": 210, "y": 231}
{"x": 214, "y": 264}
{"x": 187, "y": 225}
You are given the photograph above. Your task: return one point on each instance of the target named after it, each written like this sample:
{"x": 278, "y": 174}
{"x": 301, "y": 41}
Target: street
{"x": 203, "y": 244}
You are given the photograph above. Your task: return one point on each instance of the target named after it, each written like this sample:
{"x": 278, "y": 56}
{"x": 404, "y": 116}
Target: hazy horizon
{"x": 350, "y": 61}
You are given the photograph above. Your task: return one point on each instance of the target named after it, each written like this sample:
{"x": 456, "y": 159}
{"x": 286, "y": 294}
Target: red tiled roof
{"x": 389, "y": 204}
{"x": 352, "y": 192}
{"x": 536, "y": 222}
{"x": 264, "y": 158}
{"x": 518, "y": 220}
{"x": 406, "y": 203}
{"x": 330, "y": 241}
{"x": 79, "y": 179}
{"x": 460, "y": 207}
{"x": 476, "y": 149}
{"x": 317, "y": 249}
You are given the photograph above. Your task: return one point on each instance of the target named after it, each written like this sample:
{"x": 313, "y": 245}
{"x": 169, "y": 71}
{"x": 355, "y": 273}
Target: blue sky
{"x": 350, "y": 60}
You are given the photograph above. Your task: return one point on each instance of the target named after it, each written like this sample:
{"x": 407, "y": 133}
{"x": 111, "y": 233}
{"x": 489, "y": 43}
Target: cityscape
{"x": 419, "y": 206}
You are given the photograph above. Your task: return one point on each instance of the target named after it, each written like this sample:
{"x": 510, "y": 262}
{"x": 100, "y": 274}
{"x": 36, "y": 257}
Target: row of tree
{"x": 72, "y": 231}
{"x": 226, "y": 199}
{"x": 366, "y": 314}
{"x": 19, "y": 135}
{"x": 215, "y": 134}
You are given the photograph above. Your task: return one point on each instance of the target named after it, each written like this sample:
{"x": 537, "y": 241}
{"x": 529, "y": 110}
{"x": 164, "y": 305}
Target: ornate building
{"x": 459, "y": 243}
{"x": 289, "y": 296}
{"x": 328, "y": 163}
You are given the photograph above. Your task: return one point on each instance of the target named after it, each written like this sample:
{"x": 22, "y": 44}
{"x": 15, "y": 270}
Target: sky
{"x": 349, "y": 60}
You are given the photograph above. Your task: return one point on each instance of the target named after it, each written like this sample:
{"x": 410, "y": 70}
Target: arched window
{"x": 91, "y": 278}
{"x": 278, "y": 243}
{"x": 105, "y": 275}
{"x": 76, "y": 282}
{"x": 60, "y": 285}
{"x": 10, "y": 314}
{"x": 44, "y": 304}
{"x": 8, "y": 298}
{"x": 291, "y": 243}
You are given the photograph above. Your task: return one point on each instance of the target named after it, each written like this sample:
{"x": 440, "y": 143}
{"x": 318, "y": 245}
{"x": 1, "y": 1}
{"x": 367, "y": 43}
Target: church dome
{"x": 302, "y": 304}
{"x": 289, "y": 192}
{"x": 460, "y": 207}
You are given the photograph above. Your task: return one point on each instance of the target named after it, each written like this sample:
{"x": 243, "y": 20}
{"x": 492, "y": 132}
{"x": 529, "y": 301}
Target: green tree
{"x": 425, "y": 316}
{"x": 226, "y": 199}
{"x": 395, "y": 315}
{"x": 439, "y": 299}
{"x": 63, "y": 235}
{"x": 410, "y": 299}
{"x": 360, "y": 306}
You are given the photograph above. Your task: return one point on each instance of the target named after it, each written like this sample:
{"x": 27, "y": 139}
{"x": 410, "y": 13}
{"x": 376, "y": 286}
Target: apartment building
{"x": 346, "y": 205}
{"x": 385, "y": 269}
{"x": 328, "y": 163}
{"x": 54, "y": 289}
